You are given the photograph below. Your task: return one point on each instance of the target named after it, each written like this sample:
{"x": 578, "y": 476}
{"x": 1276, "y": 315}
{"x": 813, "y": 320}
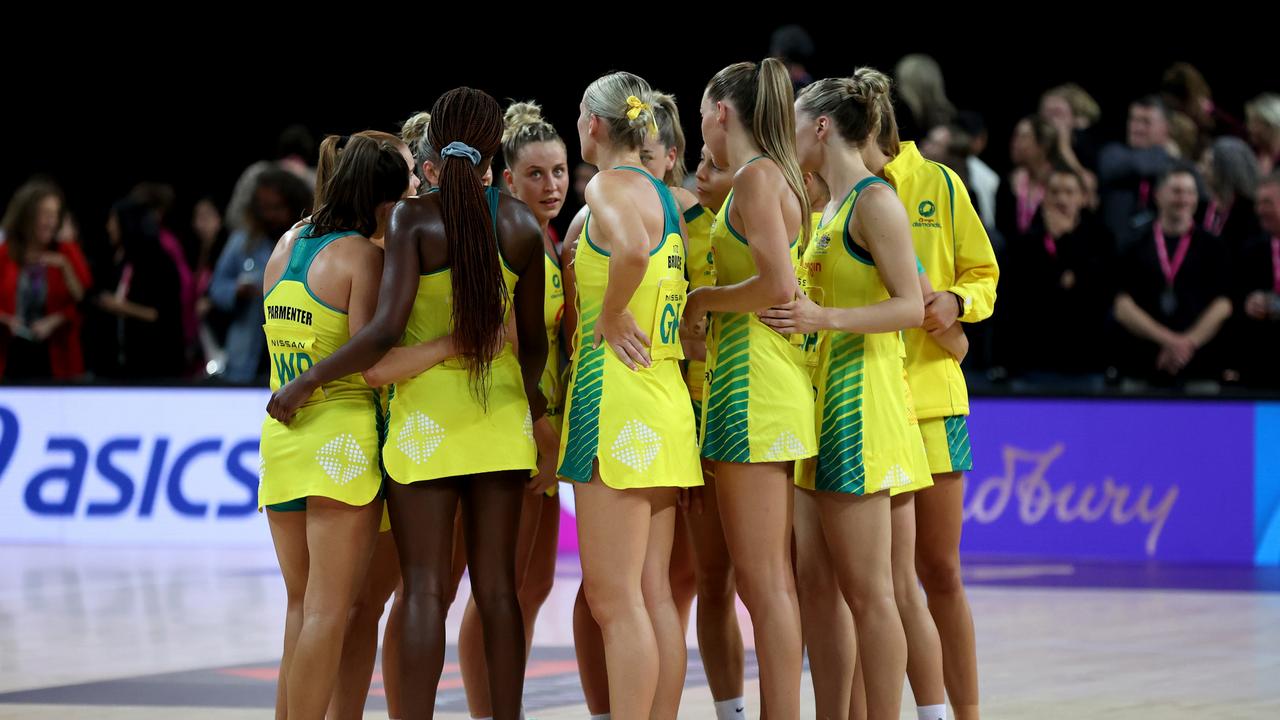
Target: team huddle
{"x": 753, "y": 390}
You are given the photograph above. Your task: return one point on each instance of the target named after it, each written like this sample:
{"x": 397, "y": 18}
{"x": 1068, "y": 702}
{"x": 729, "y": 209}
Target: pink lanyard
{"x": 126, "y": 281}
{"x": 1170, "y": 269}
{"x": 1029, "y": 199}
{"x": 1215, "y": 218}
{"x": 1144, "y": 194}
{"x": 1050, "y": 246}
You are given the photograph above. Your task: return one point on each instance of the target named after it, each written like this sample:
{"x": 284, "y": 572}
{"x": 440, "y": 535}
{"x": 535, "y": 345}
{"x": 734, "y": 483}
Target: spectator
{"x": 1187, "y": 142}
{"x": 582, "y": 175}
{"x": 146, "y": 301}
{"x": 1184, "y": 90}
{"x": 1127, "y": 172}
{"x": 794, "y": 46}
{"x": 1056, "y": 291}
{"x": 983, "y": 182}
{"x": 1034, "y": 152}
{"x": 100, "y": 333}
{"x": 295, "y": 153}
{"x": 1258, "y": 290}
{"x": 950, "y": 145}
{"x": 159, "y": 198}
{"x": 1262, "y": 119}
{"x": 279, "y": 200}
{"x": 1230, "y": 172}
{"x": 922, "y": 95}
{"x": 1074, "y": 114}
{"x": 209, "y": 237}
{"x": 43, "y": 277}
{"x": 1173, "y": 297}
{"x": 936, "y": 143}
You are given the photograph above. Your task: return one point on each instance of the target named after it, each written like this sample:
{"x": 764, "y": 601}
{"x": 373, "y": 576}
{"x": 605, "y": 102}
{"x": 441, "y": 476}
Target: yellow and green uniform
{"x": 868, "y": 437}
{"x": 759, "y": 400}
{"x": 331, "y": 448}
{"x": 551, "y": 384}
{"x": 636, "y": 424}
{"x": 701, "y": 269}
{"x": 552, "y": 313}
{"x": 439, "y": 428}
{"x": 953, "y": 246}
{"x": 810, "y": 345}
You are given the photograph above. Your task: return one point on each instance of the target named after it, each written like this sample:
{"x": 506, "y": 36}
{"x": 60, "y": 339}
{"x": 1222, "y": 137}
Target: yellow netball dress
{"x": 810, "y": 342}
{"x": 702, "y": 273}
{"x": 636, "y": 424}
{"x": 552, "y": 313}
{"x": 869, "y": 439}
{"x": 759, "y": 400}
{"x": 438, "y": 426}
{"x": 551, "y": 385}
{"x": 330, "y": 449}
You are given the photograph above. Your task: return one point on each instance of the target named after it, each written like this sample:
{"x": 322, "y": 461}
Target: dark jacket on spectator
{"x": 1056, "y": 298}
{"x": 1127, "y": 185}
{"x": 1201, "y": 279}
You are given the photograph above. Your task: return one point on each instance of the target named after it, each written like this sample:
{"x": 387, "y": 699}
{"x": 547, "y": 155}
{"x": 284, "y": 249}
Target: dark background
{"x": 193, "y": 102}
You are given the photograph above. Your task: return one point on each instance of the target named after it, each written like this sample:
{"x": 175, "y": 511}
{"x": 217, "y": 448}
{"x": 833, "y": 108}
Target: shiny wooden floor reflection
{"x": 127, "y": 633}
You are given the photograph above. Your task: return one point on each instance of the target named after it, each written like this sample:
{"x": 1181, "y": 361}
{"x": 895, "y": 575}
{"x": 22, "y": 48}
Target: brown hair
{"x": 20, "y": 217}
{"x": 367, "y": 173}
{"x": 479, "y": 293}
{"x": 331, "y": 148}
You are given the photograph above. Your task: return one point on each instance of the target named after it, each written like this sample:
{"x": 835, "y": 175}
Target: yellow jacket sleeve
{"x": 976, "y": 269}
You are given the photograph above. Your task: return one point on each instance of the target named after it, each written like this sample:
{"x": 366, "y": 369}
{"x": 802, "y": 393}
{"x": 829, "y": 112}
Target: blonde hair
{"x": 860, "y": 105}
{"x": 523, "y": 124}
{"x": 763, "y": 96}
{"x": 610, "y": 99}
{"x": 1082, "y": 104}
{"x": 921, "y": 87}
{"x": 414, "y": 134}
{"x": 1266, "y": 107}
{"x": 670, "y": 134}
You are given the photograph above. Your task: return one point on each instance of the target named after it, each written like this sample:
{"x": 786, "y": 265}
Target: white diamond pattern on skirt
{"x": 897, "y": 476}
{"x": 420, "y": 437}
{"x": 342, "y": 459}
{"x": 786, "y": 446}
{"x": 636, "y": 446}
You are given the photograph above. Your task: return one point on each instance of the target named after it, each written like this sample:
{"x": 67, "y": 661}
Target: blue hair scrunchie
{"x": 462, "y": 150}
